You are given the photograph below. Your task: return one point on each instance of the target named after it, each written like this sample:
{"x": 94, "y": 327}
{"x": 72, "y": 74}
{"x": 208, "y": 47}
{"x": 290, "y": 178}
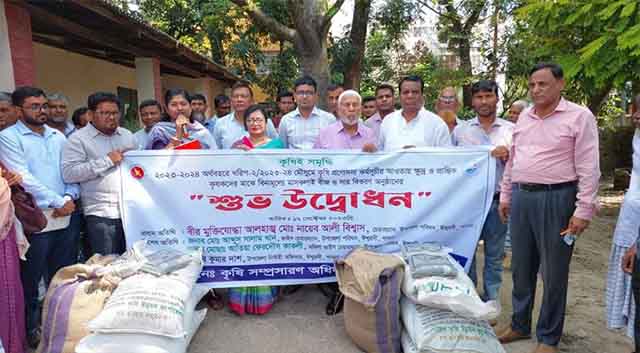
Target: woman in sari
{"x": 254, "y": 300}
{"x": 178, "y": 126}
{"x": 12, "y": 325}
{"x": 255, "y": 123}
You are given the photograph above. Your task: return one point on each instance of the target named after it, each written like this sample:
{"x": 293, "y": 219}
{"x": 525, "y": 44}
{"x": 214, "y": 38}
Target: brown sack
{"x": 371, "y": 285}
{"x": 75, "y": 296}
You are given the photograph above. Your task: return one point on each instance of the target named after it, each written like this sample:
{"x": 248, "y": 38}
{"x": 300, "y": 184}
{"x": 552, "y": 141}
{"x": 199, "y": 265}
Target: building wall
{"x": 77, "y": 76}
{"x": 210, "y": 88}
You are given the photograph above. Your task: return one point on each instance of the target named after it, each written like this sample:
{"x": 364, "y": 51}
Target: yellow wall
{"x": 208, "y": 87}
{"x": 77, "y": 76}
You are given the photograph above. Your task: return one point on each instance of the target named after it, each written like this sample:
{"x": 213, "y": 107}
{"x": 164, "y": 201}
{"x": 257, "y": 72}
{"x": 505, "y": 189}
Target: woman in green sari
{"x": 254, "y": 300}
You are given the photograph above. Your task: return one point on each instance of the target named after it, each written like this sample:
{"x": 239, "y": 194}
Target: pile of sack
{"x": 420, "y": 301}
{"x": 142, "y": 302}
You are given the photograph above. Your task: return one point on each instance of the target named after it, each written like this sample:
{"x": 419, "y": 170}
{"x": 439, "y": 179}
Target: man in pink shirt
{"x": 549, "y": 189}
{"x": 385, "y": 100}
{"x": 348, "y": 132}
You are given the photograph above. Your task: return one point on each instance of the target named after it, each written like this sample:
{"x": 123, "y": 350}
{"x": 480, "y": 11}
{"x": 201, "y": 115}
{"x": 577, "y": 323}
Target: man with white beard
{"x": 348, "y": 132}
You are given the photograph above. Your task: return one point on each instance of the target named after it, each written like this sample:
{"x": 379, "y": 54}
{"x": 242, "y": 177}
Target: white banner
{"x": 275, "y": 217}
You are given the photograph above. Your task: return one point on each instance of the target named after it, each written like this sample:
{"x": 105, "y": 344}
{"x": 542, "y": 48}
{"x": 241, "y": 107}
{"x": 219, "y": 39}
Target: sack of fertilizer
{"x": 150, "y": 304}
{"x": 370, "y": 282}
{"x": 76, "y": 296}
{"x": 449, "y": 291}
{"x": 144, "y": 343}
{"x": 434, "y": 330}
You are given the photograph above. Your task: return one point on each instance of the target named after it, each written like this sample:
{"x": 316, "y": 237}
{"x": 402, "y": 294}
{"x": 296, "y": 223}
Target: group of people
{"x": 547, "y": 177}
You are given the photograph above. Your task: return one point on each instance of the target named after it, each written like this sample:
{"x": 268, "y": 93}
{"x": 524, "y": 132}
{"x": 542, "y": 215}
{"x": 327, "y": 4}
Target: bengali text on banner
{"x": 281, "y": 217}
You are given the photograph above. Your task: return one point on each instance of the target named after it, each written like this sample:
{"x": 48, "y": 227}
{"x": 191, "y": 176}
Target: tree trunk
{"x": 311, "y": 21}
{"x": 596, "y": 100}
{"x": 464, "y": 51}
{"x": 217, "y": 48}
{"x": 494, "y": 22}
{"x": 358, "y": 37}
{"x": 314, "y": 62}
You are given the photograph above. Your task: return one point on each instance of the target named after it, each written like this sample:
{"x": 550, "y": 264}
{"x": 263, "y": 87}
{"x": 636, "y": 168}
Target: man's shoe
{"x": 545, "y": 348}
{"x": 509, "y": 335}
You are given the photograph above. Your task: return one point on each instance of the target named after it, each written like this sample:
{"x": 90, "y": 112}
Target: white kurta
{"x": 628, "y": 225}
{"x": 619, "y": 297}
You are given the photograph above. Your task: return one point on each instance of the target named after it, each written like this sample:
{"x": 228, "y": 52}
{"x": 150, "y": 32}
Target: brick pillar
{"x": 205, "y": 88}
{"x": 7, "y": 83}
{"x": 148, "y": 79}
{"x": 21, "y": 44}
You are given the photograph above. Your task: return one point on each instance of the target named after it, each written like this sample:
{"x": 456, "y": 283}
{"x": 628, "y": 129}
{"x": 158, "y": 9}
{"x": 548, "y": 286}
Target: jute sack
{"x": 371, "y": 285}
{"x": 74, "y": 298}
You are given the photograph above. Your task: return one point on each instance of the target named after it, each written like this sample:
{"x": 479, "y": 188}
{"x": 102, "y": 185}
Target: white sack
{"x": 439, "y": 331}
{"x": 455, "y": 294}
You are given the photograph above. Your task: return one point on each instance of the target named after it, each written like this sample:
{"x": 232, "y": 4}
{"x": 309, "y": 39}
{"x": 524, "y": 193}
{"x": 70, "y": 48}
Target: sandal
{"x": 215, "y": 301}
{"x": 335, "y": 305}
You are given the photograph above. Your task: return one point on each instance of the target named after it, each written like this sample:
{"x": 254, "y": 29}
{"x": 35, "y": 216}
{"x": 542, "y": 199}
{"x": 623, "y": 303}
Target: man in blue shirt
{"x": 488, "y": 130}
{"x": 33, "y": 150}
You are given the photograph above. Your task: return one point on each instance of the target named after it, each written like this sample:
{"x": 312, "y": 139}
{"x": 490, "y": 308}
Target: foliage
{"x": 283, "y": 71}
{"x": 611, "y": 111}
{"x": 215, "y": 28}
{"x": 385, "y": 44}
{"x": 597, "y": 43}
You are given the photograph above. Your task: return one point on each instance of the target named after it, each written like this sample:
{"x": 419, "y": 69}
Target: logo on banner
{"x": 472, "y": 171}
{"x": 137, "y": 172}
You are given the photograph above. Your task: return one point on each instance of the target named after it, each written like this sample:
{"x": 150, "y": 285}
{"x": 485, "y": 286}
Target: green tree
{"x": 306, "y": 28}
{"x": 214, "y": 28}
{"x": 597, "y": 43}
{"x": 457, "y": 21}
{"x": 385, "y": 54}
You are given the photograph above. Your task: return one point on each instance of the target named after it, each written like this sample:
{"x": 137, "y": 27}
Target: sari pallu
{"x": 162, "y": 133}
{"x": 12, "y": 325}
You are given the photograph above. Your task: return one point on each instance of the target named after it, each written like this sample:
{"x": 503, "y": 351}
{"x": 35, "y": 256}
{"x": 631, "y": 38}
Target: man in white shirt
{"x": 412, "y": 125}
{"x": 300, "y": 128}
{"x": 230, "y": 128}
{"x": 91, "y": 158}
{"x": 150, "y": 113}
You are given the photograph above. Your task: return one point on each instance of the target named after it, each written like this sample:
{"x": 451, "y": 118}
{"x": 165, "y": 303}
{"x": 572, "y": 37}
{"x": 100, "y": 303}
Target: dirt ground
{"x": 298, "y": 324}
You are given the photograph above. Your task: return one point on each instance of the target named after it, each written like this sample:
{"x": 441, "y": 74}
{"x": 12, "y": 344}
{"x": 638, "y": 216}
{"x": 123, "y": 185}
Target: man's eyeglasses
{"x": 305, "y": 93}
{"x": 36, "y": 107}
